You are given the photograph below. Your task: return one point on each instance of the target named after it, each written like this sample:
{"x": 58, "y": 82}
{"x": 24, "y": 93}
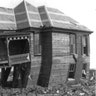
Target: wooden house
{"x": 42, "y": 45}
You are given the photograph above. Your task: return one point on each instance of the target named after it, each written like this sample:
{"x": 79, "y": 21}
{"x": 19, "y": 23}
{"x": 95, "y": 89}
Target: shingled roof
{"x": 55, "y": 18}
{"x": 26, "y": 15}
{"x": 7, "y": 19}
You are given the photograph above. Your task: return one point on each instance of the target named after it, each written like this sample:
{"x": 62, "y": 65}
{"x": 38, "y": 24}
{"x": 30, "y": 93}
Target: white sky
{"x": 84, "y": 11}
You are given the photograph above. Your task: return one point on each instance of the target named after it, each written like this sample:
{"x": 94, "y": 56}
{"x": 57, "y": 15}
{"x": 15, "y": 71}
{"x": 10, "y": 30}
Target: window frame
{"x": 37, "y": 52}
{"x": 85, "y": 51}
{"x": 73, "y": 69}
{"x": 84, "y": 68}
{"x": 73, "y": 47}
{"x": 15, "y": 42}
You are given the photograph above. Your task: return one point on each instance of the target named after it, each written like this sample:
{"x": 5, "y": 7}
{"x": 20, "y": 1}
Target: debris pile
{"x": 83, "y": 88}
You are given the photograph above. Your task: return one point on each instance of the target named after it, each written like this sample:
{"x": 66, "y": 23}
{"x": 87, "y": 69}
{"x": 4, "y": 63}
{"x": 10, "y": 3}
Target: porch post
{"x": 79, "y": 63}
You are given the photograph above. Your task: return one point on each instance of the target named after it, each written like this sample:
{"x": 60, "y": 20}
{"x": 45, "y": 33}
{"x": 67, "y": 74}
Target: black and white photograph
{"x": 47, "y": 48}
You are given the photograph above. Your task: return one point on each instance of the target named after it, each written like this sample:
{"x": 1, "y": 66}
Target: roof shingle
{"x": 26, "y": 15}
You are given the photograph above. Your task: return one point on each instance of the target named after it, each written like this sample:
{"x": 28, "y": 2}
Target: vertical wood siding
{"x": 35, "y": 64}
{"x": 61, "y": 58}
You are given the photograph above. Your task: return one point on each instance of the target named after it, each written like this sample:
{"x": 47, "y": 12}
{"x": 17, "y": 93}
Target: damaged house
{"x": 42, "y": 46}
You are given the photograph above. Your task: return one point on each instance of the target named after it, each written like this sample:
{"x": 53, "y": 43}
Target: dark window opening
{"x": 3, "y": 49}
{"x": 84, "y": 45}
{"x": 17, "y": 47}
{"x": 72, "y": 44}
{"x": 72, "y": 69}
{"x": 37, "y": 44}
{"x": 84, "y": 69}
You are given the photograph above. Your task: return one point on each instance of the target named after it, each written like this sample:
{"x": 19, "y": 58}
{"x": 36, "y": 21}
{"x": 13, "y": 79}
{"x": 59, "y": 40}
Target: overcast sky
{"x": 84, "y": 11}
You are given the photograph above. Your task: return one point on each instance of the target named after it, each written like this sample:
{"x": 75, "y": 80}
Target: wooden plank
{"x": 57, "y": 80}
{"x": 46, "y": 65}
{"x": 35, "y": 70}
{"x": 59, "y": 72}
{"x": 32, "y": 80}
{"x": 79, "y": 63}
{"x": 63, "y": 59}
{"x": 60, "y": 44}
{"x": 86, "y": 59}
{"x": 59, "y": 66}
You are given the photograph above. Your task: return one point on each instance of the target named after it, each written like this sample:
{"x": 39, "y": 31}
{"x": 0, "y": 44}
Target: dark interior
{"x": 17, "y": 47}
{"x": 72, "y": 70}
{"x": 3, "y": 49}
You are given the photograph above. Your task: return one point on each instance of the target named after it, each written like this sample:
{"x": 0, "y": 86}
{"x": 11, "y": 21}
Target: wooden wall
{"x": 35, "y": 64}
{"x": 52, "y": 66}
{"x": 61, "y": 58}
{"x": 82, "y": 58}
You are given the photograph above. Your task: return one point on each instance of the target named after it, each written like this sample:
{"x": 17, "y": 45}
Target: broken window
{"x": 72, "y": 44}
{"x": 17, "y": 47}
{"x": 37, "y": 44}
{"x": 84, "y": 69}
{"x": 72, "y": 69}
{"x": 84, "y": 45}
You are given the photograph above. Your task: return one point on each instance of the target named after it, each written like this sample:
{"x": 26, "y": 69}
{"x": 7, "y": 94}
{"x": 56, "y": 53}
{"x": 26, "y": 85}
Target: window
{"x": 84, "y": 69}
{"x": 72, "y": 69}
{"x": 72, "y": 44}
{"x": 37, "y": 44}
{"x": 17, "y": 47}
{"x": 84, "y": 45}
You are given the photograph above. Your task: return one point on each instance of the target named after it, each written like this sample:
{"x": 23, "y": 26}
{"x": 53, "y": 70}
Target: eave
{"x": 63, "y": 30}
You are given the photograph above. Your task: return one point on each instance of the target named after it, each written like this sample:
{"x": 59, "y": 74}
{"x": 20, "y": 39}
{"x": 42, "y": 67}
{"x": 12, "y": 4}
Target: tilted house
{"x": 56, "y": 46}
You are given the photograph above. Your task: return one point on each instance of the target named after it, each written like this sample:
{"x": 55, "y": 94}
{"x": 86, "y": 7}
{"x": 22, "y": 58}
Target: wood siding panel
{"x": 55, "y": 80}
{"x": 32, "y": 80}
{"x": 31, "y": 45}
{"x": 61, "y": 58}
{"x": 60, "y": 44}
{"x": 35, "y": 65}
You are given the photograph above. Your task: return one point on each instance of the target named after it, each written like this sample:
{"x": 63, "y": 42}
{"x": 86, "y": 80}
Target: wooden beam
{"x": 16, "y": 73}
{"x": 79, "y": 63}
{"x": 25, "y": 71}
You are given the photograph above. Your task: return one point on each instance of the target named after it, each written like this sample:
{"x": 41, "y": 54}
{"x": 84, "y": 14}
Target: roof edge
{"x": 62, "y": 29}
